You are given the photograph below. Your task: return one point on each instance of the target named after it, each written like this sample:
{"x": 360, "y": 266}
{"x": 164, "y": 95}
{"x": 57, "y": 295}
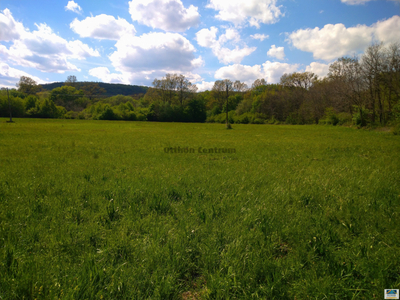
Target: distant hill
{"x": 111, "y": 88}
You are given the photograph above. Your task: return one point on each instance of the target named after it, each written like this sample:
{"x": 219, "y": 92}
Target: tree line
{"x": 361, "y": 90}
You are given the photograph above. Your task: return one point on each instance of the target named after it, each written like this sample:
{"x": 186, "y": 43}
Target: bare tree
{"x": 71, "y": 80}
{"x": 240, "y": 86}
{"x": 184, "y": 88}
{"x": 372, "y": 63}
{"x": 173, "y": 85}
{"x": 348, "y": 83}
{"x": 391, "y": 75}
{"x": 222, "y": 89}
{"x": 258, "y": 82}
{"x": 303, "y": 80}
{"x": 160, "y": 89}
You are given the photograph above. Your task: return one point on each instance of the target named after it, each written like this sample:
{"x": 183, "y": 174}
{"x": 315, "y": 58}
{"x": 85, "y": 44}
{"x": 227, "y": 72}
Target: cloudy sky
{"x": 133, "y": 42}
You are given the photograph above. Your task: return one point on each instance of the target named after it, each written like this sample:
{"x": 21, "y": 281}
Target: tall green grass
{"x": 98, "y": 210}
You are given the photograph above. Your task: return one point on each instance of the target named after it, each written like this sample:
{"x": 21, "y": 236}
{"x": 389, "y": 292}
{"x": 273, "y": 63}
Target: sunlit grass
{"x": 96, "y": 209}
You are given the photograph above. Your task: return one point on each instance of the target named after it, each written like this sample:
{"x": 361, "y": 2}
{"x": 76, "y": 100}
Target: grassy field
{"x": 99, "y": 210}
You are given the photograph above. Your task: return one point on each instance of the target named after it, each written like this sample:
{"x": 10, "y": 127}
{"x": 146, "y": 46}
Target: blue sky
{"x": 134, "y": 42}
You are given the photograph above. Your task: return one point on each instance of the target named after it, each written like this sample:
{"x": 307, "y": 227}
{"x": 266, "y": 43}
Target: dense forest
{"x": 110, "y": 89}
{"x": 364, "y": 91}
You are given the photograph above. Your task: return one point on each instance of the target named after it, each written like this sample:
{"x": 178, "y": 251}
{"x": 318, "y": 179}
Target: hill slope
{"x": 111, "y": 88}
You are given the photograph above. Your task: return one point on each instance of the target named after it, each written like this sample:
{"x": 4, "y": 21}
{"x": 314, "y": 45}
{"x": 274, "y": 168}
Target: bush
{"x": 258, "y": 121}
{"x": 243, "y": 119}
{"x": 361, "y": 117}
{"x": 294, "y": 119}
{"x": 107, "y": 114}
{"x": 272, "y": 121}
{"x": 210, "y": 119}
{"x": 396, "y": 129}
{"x": 71, "y": 115}
{"x": 330, "y": 117}
{"x": 344, "y": 118}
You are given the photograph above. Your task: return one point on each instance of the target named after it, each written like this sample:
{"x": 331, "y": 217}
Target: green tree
{"x": 69, "y": 97}
{"x": 30, "y": 102}
{"x": 48, "y": 109}
{"x": 93, "y": 90}
{"x": 27, "y": 85}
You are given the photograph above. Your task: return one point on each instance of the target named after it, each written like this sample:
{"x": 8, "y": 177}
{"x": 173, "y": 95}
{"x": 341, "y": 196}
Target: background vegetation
{"x": 98, "y": 210}
{"x": 361, "y": 91}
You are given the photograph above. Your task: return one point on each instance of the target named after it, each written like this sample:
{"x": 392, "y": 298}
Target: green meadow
{"x": 99, "y": 210}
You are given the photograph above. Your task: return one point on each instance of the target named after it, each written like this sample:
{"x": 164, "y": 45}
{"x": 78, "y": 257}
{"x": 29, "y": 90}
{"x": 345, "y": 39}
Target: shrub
{"x": 71, "y": 115}
{"x": 258, "y": 121}
{"x": 107, "y": 114}
{"x": 330, "y": 117}
{"x": 293, "y": 118}
{"x": 344, "y": 118}
{"x": 396, "y": 129}
{"x": 361, "y": 116}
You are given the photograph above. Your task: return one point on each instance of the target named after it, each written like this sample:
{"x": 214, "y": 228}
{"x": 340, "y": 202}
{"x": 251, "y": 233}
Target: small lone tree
{"x": 221, "y": 90}
{"x": 71, "y": 80}
{"x": 27, "y": 85}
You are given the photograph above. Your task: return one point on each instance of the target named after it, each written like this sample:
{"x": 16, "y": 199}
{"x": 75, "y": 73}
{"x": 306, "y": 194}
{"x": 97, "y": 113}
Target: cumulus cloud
{"x": 102, "y": 27}
{"x": 205, "y": 86}
{"x": 9, "y": 28}
{"x": 271, "y": 71}
{"x": 387, "y": 31}
{"x": 168, "y": 15}
{"x": 355, "y": 2}
{"x": 9, "y": 76}
{"x": 72, "y": 6}
{"x": 252, "y": 12}
{"x": 358, "y": 2}
{"x": 43, "y": 49}
{"x": 334, "y": 41}
{"x": 167, "y": 51}
{"x": 104, "y": 74}
{"x": 278, "y": 53}
{"x": 208, "y": 38}
{"x": 318, "y": 68}
{"x": 259, "y": 36}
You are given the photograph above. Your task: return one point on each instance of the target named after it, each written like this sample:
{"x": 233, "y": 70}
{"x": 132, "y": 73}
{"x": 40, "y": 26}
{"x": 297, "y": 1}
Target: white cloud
{"x": 387, "y": 31}
{"x": 334, "y": 41}
{"x": 103, "y": 27}
{"x": 104, "y": 74}
{"x": 72, "y": 6}
{"x": 205, "y": 86}
{"x": 274, "y": 70}
{"x": 208, "y": 38}
{"x": 9, "y": 28}
{"x": 243, "y": 73}
{"x": 271, "y": 71}
{"x": 236, "y": 55}
{"x": 358, "y": 2}
{"x": 259, "y": 36}
{"x": 318, "y": 68}
{"x": 168, "y": 15}
{"x": 355, "y": 2}
{"x": 166, "y": 51}
{"x": 253, "y": 12}
{"x": 231, "y": 35}
{"x": 43, "y": 49}
{"x": 278, "y": 53}
{"x": 9, "y": 76}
